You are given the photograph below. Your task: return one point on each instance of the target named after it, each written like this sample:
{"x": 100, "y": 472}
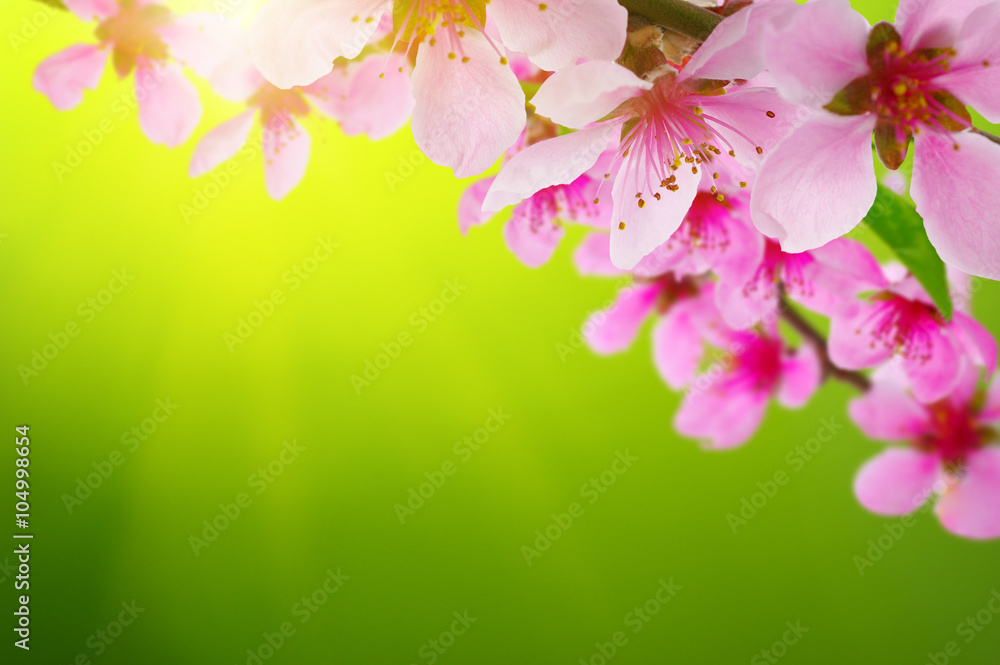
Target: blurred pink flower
{"x": 146, "y": 37}
{"x": 949, "y": 452}
{"x": 900, "y": 322}
{"x": 358, "y": 96}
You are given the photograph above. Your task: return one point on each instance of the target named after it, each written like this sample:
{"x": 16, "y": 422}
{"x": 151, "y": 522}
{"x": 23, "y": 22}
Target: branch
{"x": 683, "y": 17}
{"x": 804, "y": 328}
{"x": 995, "y": 139}
{"x": 57, "y": 4}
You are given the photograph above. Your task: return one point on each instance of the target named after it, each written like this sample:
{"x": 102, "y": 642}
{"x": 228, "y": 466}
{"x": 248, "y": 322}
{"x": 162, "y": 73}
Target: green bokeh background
{"x": 494, "y": 347}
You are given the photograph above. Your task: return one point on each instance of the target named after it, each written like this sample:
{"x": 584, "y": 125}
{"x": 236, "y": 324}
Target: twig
{"x": 683, "y": 17}
{"x": 814, "y": 337}
{"x": 995, "y": 139}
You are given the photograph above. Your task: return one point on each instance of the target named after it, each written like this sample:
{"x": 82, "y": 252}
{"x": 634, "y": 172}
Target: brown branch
{"x": 814, "y": 337}
{"x": 682, "y": 17}
{"x": 57, "y": 4}
{"x": 995, "y": 139}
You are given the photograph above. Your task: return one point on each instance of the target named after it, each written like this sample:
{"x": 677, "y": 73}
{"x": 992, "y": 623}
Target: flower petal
{"x": 470, "y": 205}
{"x": 640, "y": 222}
{"x": 202, "y": 41}
{"x": 556, "y": 161}
{"x": 558, "y": 33}
{"x": 735, "y": 49}
{"x": 852, "y": 341}
{"x": 294, "y": 42}
{"x": 971, "y": 507}
{"x": 817, "y": 184}
{"x": 974, "y": 72}
{"x": 613, "y": 330}
{"x": 221, "y": 143}
{"x": 888, "y": 412}
{"x": 721, "y": 418}
{"x": 975, "y": 340}
{"x": 469, "y": 107}
{"x": 579, "y": 95}
{"x": 935, "y": 371}
{"x": 593, "y": 256}
{"x": 677, "y": 343}
{"x": 286, "y": 155}
{"x": 801, "y": 374}
{"x": 932, "y": 23}
{"x": 92, "y": 10}
{"x": 378, "y": 105}
{"x": 897, "y": 481}
{"x": 532, "y": 239}
{"x": 169, "y": 108}
{"x": 820, "y": 51}
{"x": 957, "y": 195}
{"x": 62, "y": 77}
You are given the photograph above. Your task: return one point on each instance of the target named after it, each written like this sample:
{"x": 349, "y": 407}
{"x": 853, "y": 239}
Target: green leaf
{"x": 897, "y": 223}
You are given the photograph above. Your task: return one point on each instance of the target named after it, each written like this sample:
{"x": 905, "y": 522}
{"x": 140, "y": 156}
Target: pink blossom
{"x": 358, "y": 95}
{"x": 676, "y": 132}
{"x": 469, "y": 106}
{"x": 900, "y": 322}
{"x": 949, "y": 453}
{"x": 908, "y": 81}
{"x": 144, "y": 37}
{"x": 725, "y": 405}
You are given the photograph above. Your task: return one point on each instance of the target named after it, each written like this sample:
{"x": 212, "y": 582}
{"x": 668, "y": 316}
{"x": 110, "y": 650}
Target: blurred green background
{"x": 332, "y": 507}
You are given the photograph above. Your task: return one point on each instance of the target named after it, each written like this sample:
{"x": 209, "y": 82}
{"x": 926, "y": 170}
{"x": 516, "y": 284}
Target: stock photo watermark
{"x": 131, "y": 439}
{"x": 436, "y": 478}
{"x": 779, "y": 648}
{"x": 419, "y": 321}
{"x": 434, "y": 648}
{"x": 259, "y": 480}
{"x": 87, "y": 310}
{"x": 635, "y": 621}
{"x": 264, "y": 309}
{"x": 592, "y": 490}
{"x": 796, "y": 459}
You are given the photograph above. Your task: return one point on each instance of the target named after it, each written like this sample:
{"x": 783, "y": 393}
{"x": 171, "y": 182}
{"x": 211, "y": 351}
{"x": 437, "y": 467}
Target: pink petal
{"x": 202, "y": 41}
{"x": 593, "y": 256}
{"x": 467, "y": 112}
{"x": 169, "y": 108}
{"x": 614, "y": 329}
{"x": 897, "y": 481}
{"x": 638, "y": 230}
{"x": 888, "y": 413}
{"x": 577, "y": 96}
{"x": 677, "y": 344}
{"x": 971, "y": 507}
{"x": 934, "y": 376}
{"x": 557, "y": 34}
{"x": 221, "y": 143}
{"x": 801, "y": 374}
{"x": 797, "y": 199}
{"x": 932, "y": 23}
{"x": 735, "y": 49}
{"x": 957, "y": 195}
{"x": 330, "y": 93}
{"x": 846, "y": 266}
{"x": 963, "y": 395}
{"x": 556, "y": 161}
{"x": 294, "y": 42}
{"x": 747, "y": 111}
{"x": 92, "y": 10}
{"x": 975, "y": 340}
{"x": 820, "y": 51}
{"x": 470, "y": 205}
{"x": 380, "y": 99}
{"x": 721, "y": 418}
{"x": 532, "y": 241}
{"x": 286, "y": 155}
{"x": 852, "y": 341}
{"x": 974, "y": 73}
{"x": 62, "y": 77}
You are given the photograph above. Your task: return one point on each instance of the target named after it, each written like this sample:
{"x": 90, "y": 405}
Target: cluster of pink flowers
{"x": 720, "y": 173}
